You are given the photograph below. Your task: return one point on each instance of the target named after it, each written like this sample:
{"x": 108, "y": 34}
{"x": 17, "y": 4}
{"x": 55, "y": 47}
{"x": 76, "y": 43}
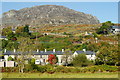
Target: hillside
{"x": 46, "y": 15}
{"x": 70, "y": 29}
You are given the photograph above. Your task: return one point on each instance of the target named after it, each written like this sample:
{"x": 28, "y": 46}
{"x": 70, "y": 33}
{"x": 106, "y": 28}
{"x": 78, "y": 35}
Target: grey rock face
{"x": 46, "y": 15}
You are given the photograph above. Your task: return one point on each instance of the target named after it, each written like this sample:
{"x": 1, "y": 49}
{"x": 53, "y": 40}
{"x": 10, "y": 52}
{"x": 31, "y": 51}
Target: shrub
{"x": 59, "y": 69}
{"x": 93, "y": 69}
{"x": 10, "y": 69}
{"x": 66, "y": 70}
{"x": 41, "y": 68}
{"x": 81, "y": 60}
{"x": 28, "y": 68}
{"x": 75, "y": 70}
{"x": 52, "y": 59}
{"x": 32, "y": 61}
{"x": 49, "y": 69}
{"x": 10, "y": 58}
{"x": 108, "y": 68}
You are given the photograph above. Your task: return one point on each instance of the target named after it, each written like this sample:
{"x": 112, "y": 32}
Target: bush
{"x": 81, "y": 61}
{"x": 50, "y": 69}
{"x": 41, "y": 68}
{"x": 10, "y": 69}
{"x": 10, "y": 58}
{"x": 108, "y": 68}
{"x": 28, "y": 68}
{"x": 32, "y": 61}
{"x": 75, "y": 70}
{"x": 59, "y": 69}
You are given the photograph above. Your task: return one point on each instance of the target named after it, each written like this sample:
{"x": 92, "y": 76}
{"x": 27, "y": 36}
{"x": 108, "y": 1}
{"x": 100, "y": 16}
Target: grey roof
{"x": 11, "y": 53}
{"x": 13, "y": 29}
{"x": 34, "y": 52}
{"x": 115, "y": 27}
{"x": 46, "y": 53}
{"x": 2, "y": 36}
{"x": 86, "y": 52}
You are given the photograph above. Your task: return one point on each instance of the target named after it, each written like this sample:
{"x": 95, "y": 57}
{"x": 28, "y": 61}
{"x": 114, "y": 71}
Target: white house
{"x": 89, "y": 54}
{"x": 3, "y": 37}
{"x": 115, "y": 29}
{"x": 42, "y": 56}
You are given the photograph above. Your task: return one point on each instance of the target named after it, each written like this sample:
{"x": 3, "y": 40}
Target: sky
{"x": 104, "y": 11}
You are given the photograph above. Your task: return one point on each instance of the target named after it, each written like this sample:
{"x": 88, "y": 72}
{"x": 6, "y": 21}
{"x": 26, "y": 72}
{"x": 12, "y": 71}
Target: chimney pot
{"x": 53, "y": 50}
{"x": 62, "y": 50}
{"x": 5, "y": 50}
{"x": 37, "y": 50}
{"x": 84, "y": 50}
{"x": 45, "y": 50}
{"x": 14, "y": 50}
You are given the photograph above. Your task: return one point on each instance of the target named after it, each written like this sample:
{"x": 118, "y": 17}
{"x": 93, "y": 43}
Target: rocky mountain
{"x": 46, "y": 15}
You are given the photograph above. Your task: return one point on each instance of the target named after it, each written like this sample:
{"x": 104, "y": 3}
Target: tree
{"x": 19, "y": 31}
{"x": 25, "y": 52}
{"x": 23, "y": 31}
{"x": 67, "y": 57}
{"x": 6, "y": 31}
{"x": 52, "y": 59}
{"x": 107, "y": 56}
{"x": 32, "y": 61}
{"x": 26, "y": 29}
{"x": 10, "y": 36}
{"x": 93, "y": 47}
{"x": 81, "y": 60}
{"x": 104, "y": 29}
{"x": 84, "y": 46}
{"x": 12, "y": 45}
{"x": 4, "y": 43}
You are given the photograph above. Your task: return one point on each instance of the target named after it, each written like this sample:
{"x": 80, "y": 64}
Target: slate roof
{"x": 86, "y": 52}
{"x": 11, "y": 53}
{"x": 46, "y": 53}
{"x": 34, "y": 53}
{"x": 2, "y": 36}
{"x": 115, "y": 27}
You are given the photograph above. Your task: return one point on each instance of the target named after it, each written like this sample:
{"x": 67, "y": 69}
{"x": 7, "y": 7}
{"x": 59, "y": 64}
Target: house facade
{"x": 89, "y": 54}
{"x": 41, "y": 57}
{"x": 115, "y": 29}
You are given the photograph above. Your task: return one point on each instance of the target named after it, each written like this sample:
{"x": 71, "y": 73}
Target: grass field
{"x": 60, "y": 75}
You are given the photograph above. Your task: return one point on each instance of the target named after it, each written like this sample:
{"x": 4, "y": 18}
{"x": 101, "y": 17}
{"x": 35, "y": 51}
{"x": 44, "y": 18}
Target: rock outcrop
{"x": 46, "y": 15}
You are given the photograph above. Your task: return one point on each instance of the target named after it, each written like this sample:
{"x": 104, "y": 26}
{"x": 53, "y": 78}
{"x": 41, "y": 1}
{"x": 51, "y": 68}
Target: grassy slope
{"x": 60, "y": 75}
{"x": 73, "y": 29}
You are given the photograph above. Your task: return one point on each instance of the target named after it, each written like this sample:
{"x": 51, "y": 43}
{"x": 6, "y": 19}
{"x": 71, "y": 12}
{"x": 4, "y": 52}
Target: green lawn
{"x": 60, "y": 75}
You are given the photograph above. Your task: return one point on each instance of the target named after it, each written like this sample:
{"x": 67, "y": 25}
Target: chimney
{"x": 53, "y": 50}
{"x": 14, "y": 50}
{"x": 5, "y": 50}
{"x": 45, "y": 50}
{"x": 84, "y": 50}
{"x": 62, "y": 50}
{"x": 37, "y": 50}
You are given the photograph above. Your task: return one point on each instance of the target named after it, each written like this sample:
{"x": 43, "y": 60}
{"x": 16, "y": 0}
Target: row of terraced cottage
{"x": 42, "y": 57}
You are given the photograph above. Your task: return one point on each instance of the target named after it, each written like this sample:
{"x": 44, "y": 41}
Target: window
{"x": 43, "y": 60}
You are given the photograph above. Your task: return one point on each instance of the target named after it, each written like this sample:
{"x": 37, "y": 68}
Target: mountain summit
{"x": 46, "y": 15}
